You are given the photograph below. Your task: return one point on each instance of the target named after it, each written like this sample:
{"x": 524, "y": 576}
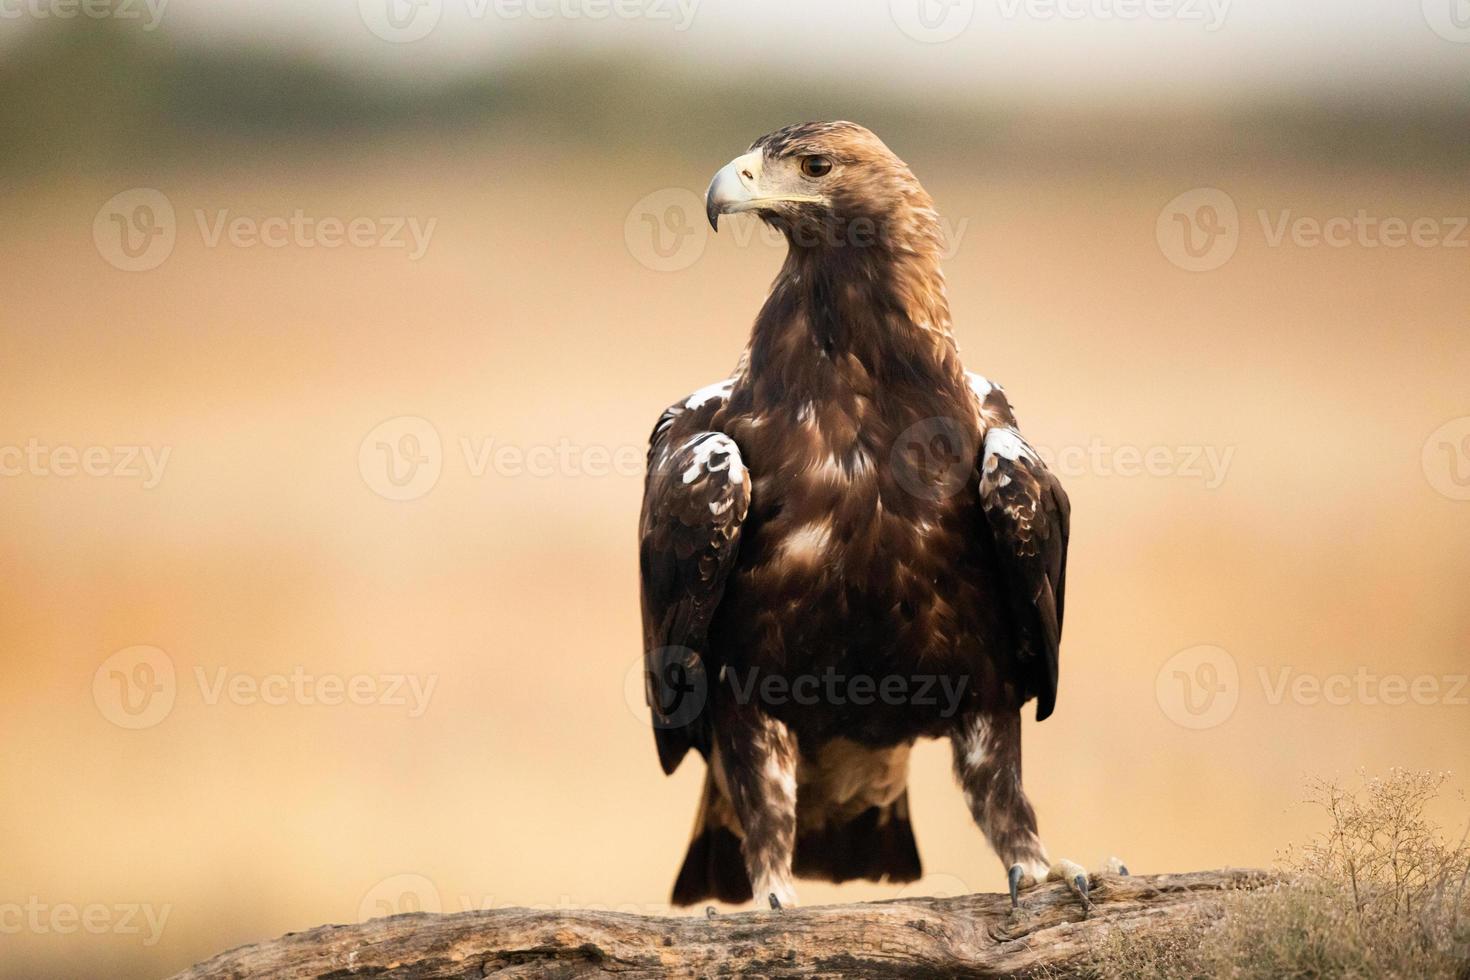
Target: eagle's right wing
{"x": 1030, "y": 518}
{"x": 695, "y": 497}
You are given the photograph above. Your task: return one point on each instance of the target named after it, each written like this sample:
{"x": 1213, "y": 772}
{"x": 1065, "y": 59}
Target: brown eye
{"x": 816, "y": 166}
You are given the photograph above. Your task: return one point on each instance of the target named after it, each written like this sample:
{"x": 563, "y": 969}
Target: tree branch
{"x": 971, "y": 936}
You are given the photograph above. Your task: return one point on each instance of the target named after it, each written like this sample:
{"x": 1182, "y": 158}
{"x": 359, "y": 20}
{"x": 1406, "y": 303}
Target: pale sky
{"x": 1082, "y": 49}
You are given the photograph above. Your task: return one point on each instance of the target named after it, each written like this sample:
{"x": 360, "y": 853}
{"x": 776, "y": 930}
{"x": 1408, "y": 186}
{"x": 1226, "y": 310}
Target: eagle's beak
{"x": 734, "y": 188}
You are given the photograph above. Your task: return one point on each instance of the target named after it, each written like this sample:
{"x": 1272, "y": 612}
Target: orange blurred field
{"x": 1326, "y": 547}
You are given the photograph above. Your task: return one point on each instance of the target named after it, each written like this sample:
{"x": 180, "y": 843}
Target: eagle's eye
{"x": 816, "y": 166}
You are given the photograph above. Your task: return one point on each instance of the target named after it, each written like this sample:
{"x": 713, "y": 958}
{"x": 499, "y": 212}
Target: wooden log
{"x": 969, "y": 936}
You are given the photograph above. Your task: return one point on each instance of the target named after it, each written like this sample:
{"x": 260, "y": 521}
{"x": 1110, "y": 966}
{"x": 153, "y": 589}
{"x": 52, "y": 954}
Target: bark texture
{"x": 970, "y": 936}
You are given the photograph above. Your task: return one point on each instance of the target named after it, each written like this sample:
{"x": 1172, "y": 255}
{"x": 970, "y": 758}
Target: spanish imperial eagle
{"x": 846, "y": 546}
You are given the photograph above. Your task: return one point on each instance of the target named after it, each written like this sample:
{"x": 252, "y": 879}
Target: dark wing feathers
{"x": 695, "y": 497}
{"x": 1029, "y": 515}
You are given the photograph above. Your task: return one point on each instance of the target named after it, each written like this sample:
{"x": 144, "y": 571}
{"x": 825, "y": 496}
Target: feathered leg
{"x": 755, "y": 763}
{"x": 987, "y": 761}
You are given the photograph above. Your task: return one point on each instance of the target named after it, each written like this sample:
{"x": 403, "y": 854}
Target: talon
{"x": 1123, "y": 870}
{"x": 1075, "y": 877}
{"x": 709, "y": 912}
{"x": 1079, "y": 886}
{"x": 1013, "y": 877}
{"x": 775, "y": 902}
{"x": 1115, "y": 866}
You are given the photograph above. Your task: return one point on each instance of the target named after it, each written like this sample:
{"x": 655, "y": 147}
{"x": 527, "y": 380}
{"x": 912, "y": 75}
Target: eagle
{"x": 844, "y": 547}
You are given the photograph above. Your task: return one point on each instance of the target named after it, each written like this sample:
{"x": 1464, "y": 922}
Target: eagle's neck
{"x": 869, "y": 318}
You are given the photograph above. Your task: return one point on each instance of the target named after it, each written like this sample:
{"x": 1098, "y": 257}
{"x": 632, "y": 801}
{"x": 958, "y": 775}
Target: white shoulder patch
{"x": 707, "y": 394}
{"x": 1006, "y": 443}
{"x": 714, "y": 452}
{"x": 980, "y": 385}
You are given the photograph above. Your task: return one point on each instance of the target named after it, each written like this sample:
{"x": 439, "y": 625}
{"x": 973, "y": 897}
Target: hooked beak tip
{"x": 731, "y": 189}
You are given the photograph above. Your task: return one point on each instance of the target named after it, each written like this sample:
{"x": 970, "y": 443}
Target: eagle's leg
{"x": 756, "y": 756}
{"x": 987, "y": 761}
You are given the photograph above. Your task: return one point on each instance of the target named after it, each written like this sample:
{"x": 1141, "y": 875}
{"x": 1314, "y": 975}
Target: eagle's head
{"x": 827, "y": 185}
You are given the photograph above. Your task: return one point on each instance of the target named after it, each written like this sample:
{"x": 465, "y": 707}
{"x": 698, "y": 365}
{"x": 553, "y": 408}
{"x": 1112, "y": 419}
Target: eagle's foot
{"x": 1075, "y": 877}
{"x": 1022, "y": 876}
{"x": 1072, "y": 874}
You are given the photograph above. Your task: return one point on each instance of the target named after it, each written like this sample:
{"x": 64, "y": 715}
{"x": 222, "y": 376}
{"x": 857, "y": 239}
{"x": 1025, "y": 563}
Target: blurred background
{"x": 333, "y": 335}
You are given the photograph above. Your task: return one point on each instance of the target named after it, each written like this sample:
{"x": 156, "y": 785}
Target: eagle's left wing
{"x": 695, "y": 497}
{"x": 1030, "y": 517}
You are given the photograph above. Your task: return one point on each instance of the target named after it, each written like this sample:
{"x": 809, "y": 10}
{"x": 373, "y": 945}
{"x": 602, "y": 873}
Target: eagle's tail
{"x": 713, "y": 868}
{"x": 876, "y": 845}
